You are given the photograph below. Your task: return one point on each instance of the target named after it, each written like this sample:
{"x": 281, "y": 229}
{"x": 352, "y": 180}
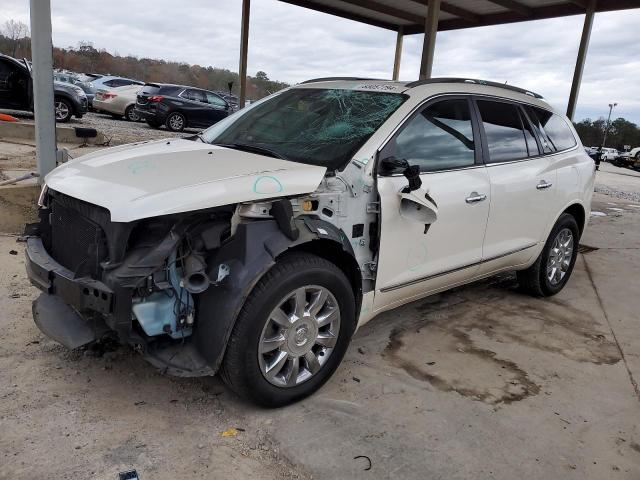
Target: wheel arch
{"x": 578, "y": 212}
{"x": 333, "y": 251}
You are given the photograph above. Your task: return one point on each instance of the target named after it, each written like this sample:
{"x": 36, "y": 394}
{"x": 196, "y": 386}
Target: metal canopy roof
{"x": 455, "y": 14}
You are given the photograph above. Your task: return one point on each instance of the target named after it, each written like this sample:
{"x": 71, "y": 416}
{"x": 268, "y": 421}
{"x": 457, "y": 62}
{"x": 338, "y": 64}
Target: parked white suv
{"x": 609, "y": 154}
{"x": 259, "y": 246}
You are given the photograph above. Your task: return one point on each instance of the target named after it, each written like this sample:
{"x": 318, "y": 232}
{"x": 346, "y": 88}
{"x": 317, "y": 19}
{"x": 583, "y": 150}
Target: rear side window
{"x": 554, "y": 133}
{"x": 559, "y": 133}
{"x": 503, "y": 128}
{"x": 440, "y": 137}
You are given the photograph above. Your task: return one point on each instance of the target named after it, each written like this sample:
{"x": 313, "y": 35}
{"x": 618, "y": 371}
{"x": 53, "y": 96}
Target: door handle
{"x": 543, "y": 184}
{"x": 475, "y": 197}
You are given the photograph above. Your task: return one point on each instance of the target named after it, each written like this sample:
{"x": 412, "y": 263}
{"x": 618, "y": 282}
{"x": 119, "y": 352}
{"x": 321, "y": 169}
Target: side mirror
{"x": 390, "y": 165}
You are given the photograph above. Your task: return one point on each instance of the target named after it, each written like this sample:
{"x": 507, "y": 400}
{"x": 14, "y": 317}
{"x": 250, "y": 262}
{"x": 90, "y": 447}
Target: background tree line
{"x": 14, "y": 41}
{"x": 621, "y": 132}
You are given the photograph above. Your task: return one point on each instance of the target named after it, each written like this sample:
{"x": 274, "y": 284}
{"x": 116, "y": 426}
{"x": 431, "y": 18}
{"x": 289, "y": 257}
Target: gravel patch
{"x": 612, "y": 192}
{"x": 121, "y": 131}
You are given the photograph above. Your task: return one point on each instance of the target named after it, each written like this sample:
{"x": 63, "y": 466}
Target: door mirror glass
{"x": 391, "y": 165}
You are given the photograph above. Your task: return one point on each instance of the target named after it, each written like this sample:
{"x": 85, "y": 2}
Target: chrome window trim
{"x": 484, "y": 163}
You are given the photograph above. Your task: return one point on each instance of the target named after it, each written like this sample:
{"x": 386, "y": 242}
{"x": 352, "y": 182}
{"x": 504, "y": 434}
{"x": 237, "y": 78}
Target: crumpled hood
{"x": 149, "y": 179}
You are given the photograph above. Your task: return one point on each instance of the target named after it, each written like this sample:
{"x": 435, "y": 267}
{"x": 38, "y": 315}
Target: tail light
{"x": 107, "y": 96}
{"x": 156, "y": 98}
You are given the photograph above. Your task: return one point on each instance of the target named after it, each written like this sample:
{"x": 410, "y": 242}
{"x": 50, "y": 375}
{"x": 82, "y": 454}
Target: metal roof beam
{"x": 580, "y": 3}
{"x": 341, "y": 13}
{"x": 453, "y": 10}
{"x": 387, "y": 10}
{"x": 514, "y": 6}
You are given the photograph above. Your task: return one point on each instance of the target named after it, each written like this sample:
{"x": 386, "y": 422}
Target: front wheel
{"x": 291, "y": 333}
{"x": 552, "y": 269}
{"x": 63, "y": 110}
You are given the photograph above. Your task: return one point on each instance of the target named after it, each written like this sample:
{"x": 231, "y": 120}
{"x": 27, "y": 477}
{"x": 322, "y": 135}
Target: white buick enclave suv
{"x": 257, "y": 247}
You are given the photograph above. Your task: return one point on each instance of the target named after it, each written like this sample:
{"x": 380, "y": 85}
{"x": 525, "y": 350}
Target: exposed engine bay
{"x": 172, "y": 286}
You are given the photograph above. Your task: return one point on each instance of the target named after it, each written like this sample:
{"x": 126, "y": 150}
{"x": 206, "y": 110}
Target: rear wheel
{"x": 131, "y": 114}
{"x": 553, "y": 267}
{"x": 63, "y": 109}
{"x": 176, "y": 122}
{"x": 291, "y": 333}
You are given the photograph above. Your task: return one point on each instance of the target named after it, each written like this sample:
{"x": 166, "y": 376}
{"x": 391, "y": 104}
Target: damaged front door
{"x": 432, "y": 231}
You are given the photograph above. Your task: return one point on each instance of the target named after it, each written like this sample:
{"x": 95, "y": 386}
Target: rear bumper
{"x": 151, "y": 116}
{"x": 107, "y": 107}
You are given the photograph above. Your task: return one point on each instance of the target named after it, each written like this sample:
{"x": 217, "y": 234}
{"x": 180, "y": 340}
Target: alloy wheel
{"x": 132, "y": 115}
{"x": 62, "y": 110}
{"x": 560, "y": 256}
{"x": 176, "y": 122}
{"x": 299, "y": 336}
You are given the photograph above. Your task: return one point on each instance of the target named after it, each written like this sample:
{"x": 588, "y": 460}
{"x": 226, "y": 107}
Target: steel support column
{"x": 244, "y": 50}
{"x": 582, "y": 55}
{"x": 396, "y": 60}
{"x": 42, "y": 66}
{"x": 429, "y": 45}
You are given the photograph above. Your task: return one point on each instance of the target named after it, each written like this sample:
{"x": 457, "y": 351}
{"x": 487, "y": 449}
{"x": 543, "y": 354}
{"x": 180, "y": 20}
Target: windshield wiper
{"x": 247, "y": 147}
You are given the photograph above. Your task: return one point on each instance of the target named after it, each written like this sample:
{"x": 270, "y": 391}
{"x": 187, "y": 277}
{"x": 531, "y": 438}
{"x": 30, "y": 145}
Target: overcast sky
{"x": 293, "y": 44}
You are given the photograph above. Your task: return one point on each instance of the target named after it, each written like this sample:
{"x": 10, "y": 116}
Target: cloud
{"x": 293, "y": 44}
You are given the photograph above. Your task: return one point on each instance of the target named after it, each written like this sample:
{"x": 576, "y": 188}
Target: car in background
{"x": 119, "y": 102}
{"x": 74, "y": 79}
{"x": 630, "y": 159}
{"x": 609, "y": 154}
{"x": 16, "y": 91}
{"x": 107, "y": 82}
{"x": 231, "y": 99}
{"x": 179, "y": 106}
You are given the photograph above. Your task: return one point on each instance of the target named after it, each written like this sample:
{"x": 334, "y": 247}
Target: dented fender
{"x": 252, "y": 251}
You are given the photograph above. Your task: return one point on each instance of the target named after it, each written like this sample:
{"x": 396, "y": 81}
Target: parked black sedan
{"x": 179, "y": 107}
{"x": 16, "y": 91}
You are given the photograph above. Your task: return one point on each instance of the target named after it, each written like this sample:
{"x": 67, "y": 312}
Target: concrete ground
{"x": 479, "y": 382}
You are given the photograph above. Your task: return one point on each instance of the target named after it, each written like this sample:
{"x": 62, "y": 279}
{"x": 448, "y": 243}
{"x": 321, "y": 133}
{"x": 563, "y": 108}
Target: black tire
{"x": 534, "y": 279}
{"x": 153, "y": 124}
{"x": 240, "y": 368}
{"x": 176, "y": 122}
{"x": 63, "y": 109}
{"x": 130, "y": 114}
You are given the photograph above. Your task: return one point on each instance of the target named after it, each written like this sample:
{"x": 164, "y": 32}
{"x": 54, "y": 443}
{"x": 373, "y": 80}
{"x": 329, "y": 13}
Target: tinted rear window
{"x": 150, "y": 90}
{"x": 170, "y": 90}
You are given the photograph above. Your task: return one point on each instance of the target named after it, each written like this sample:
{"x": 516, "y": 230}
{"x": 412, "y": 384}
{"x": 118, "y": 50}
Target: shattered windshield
{"x": 316, "y": 126}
